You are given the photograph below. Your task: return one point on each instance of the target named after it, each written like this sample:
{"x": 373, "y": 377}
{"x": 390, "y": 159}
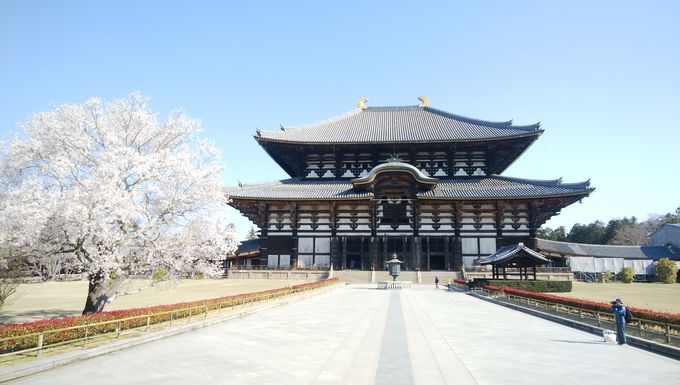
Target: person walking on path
{"x": 620, "y": 316}
{"x": 436, "y": 283}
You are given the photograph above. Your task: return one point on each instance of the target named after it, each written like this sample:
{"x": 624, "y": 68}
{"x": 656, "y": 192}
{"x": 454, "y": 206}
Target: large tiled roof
{"x": 674, "y": 227}
{"x": 509, "y": 252}
{"x": 606, "y": 251}
{"x": 488, "y": 187}
{"x": 406, "y": 124}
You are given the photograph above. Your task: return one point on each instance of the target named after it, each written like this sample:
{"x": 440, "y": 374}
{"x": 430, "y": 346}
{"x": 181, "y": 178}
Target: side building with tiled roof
{"x": 586, "y": 259}
{"x": 668, "y": 234}
{"x": 416, "y": 181}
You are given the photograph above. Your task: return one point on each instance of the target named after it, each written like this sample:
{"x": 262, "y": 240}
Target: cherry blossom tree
{"x": 116, "y": 188}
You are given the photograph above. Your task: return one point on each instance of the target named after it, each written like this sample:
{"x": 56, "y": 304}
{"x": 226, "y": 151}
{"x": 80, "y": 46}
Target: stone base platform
{"x": 394, "y": 285}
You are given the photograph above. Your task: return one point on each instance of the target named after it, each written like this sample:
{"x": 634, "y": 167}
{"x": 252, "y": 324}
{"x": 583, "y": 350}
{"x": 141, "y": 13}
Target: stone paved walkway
{"x": 359, "y": 335}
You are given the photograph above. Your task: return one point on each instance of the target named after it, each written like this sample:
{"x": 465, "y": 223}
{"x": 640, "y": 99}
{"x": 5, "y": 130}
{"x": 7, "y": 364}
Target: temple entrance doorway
{"x": 353, "y": 262}
{"x": 354, "y": 249}
{"x": 434, "y": 251}
{"x": 437, "y": 262}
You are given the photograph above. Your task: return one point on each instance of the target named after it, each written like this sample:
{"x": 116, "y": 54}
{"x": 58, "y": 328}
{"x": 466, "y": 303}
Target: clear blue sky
{"x": 603, "y": 77}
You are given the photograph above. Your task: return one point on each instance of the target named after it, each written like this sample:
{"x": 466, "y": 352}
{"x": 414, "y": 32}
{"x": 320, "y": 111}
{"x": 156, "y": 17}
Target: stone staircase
{"x": 421, "y": 277}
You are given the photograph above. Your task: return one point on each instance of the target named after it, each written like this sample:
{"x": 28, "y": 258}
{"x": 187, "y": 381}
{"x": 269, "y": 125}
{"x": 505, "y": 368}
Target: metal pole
{"x": 40, "y": 344}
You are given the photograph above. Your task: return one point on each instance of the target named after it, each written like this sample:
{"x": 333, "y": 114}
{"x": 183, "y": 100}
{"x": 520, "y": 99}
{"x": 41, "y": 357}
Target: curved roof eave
{"x": 471, "y": 140}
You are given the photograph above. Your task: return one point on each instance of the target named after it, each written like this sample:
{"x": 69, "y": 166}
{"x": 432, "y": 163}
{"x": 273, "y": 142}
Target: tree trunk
{"x": 97, "y": 296}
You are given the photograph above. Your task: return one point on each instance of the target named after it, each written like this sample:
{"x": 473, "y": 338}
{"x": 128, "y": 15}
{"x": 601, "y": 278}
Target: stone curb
{"x": 14, "y": 372}
{"x": 637, "y": 342}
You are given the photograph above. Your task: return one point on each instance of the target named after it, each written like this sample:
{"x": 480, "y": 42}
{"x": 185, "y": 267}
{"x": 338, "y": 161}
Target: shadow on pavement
{"x": 581, "y": 342}
{"x": 33, "y": 315}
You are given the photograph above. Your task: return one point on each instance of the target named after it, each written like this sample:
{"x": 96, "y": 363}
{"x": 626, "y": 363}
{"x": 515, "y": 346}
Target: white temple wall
{"x": 614, "y": 265}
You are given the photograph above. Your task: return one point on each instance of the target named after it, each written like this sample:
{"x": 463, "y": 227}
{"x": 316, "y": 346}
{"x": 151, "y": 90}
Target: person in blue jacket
{"x": 620, "y": 316}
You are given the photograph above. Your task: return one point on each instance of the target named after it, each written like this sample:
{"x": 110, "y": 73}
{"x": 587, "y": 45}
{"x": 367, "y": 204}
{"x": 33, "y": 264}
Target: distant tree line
{"x": 619, "y": 231}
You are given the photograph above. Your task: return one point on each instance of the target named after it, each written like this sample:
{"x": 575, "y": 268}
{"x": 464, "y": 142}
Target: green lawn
{"x": 58, "y": 299}
{"x": 653, "y": 296}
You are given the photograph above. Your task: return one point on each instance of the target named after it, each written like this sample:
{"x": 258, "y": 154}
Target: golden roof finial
{"x": 362, "y": 103}
{"x": 424, "y": 101}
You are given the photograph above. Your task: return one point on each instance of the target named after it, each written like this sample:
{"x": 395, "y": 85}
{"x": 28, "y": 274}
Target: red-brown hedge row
{"x": 25, "y": 330}
{"x": 646, "y": 314}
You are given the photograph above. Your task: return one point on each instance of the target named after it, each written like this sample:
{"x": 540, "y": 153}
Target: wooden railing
{"x": 476, "y": 269}
{"x": 667, "y": 333}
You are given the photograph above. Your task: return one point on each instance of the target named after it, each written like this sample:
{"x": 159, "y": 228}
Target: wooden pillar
{"x": 417, "y": 252}
{"x": 294, "y": 225}
{"x": 532, "y": 214}
{"x": 450, "y": 160}
{"x": 343, "y": 260}
{"x": 415, "y": 209}
{"x": 427, "y": 255}
{"x": 338, "y": 163}
{"x": 446, "y": 253}
{"x": 499, "y": 224}
{"x": 534, "y": 268}
{"x": 457, "y": 243}
{"x": 373, "y": 222}
{"x": 264, "y": 231}
{"x": 372, "y": 255}
{"x": 373, "y": 245}
{"x": 336, "y": 243}
{"x": 334, "y": 219}
{"x": 335, "y": 252}
{"x": 383, "y": 253}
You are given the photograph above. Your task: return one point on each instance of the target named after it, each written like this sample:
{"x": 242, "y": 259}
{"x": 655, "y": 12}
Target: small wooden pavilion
{"x": 514, "y": 260}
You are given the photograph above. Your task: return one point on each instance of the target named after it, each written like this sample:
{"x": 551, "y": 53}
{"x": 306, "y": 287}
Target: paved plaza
{"x": 359, "y": 335}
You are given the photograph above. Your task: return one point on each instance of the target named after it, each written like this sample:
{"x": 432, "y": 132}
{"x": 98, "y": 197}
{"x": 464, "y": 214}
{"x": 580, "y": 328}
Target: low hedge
{"x": 534, "y": 286}
{"x": 28, "y": 331}
{"x": 659, "y": 316}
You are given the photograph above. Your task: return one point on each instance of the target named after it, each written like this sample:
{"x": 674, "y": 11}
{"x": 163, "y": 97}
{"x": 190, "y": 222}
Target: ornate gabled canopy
{"x": 516, "y": 253}
{"x": 393, "y": 171}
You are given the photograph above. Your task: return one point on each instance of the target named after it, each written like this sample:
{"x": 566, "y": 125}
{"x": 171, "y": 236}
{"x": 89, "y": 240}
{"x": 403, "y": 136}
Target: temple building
{"x": 412, "y": 180}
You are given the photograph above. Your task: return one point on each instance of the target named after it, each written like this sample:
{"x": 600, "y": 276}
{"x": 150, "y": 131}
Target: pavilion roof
{"x": 606, "y": 251}
{"x": 510, "y": 252}
{"x": 486, "y": 187}
{"x": 399, "y": 124}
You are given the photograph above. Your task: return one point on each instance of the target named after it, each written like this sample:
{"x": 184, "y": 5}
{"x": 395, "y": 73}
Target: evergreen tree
{"x": 252, "y": 234}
